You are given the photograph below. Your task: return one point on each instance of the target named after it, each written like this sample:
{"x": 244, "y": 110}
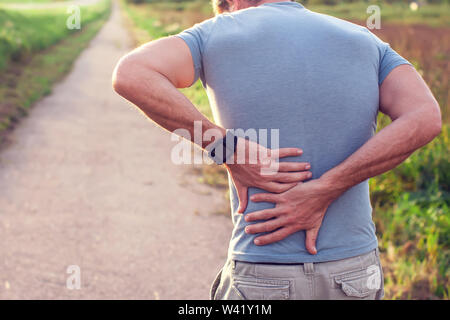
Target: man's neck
{"x": 271, "y": 1}
{"x": 239, "y": 5}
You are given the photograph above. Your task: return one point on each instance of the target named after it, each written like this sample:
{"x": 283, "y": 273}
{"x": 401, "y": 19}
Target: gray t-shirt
{"x": 315, "y": 78}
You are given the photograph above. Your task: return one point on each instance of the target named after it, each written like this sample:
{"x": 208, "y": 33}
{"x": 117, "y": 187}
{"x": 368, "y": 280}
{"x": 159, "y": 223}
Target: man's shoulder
{"x": 338, "y": 23}
{"x": 347, "y": 31}
{"x": 205, "y": 25}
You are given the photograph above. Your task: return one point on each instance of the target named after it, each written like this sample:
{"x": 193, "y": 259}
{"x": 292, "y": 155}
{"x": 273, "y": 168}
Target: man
{"x": 321, "y": 82}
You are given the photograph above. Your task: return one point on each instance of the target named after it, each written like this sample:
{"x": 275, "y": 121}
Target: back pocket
{"x": 261, "y": 289}
{"x": 360, "y": 283}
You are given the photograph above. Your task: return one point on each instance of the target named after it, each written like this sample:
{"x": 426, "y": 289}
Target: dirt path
{"x": 88, "y": 181}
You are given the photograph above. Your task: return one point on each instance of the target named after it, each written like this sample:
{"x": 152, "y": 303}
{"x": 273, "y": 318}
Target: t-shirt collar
{"x": 283, "y": 3}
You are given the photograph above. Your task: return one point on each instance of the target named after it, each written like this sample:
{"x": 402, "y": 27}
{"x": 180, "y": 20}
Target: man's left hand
{"x": 300, "y": 208}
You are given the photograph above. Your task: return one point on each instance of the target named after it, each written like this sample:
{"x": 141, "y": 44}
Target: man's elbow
{"x": 121, "y": 79}
{"x": 426, "y": 121}
{"x": 435, "y": 122}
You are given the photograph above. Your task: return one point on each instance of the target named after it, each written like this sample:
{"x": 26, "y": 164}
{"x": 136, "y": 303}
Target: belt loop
{"x": 233, "y": 264}
{"x": 308, "y": 268}
{"x": 377, "y": 252}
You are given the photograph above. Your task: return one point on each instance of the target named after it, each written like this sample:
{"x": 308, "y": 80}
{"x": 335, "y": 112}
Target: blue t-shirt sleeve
{"x": 390, "y": 59}
{"x": 196, "y": 38}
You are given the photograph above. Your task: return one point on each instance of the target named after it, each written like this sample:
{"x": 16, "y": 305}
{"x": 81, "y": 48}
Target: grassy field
{"x": 23, "y": 32}
{"x": 36, "y": 50}
{"x": 411, "y": 203}
{"x": 26, "y": 1}
{"x": 397, "y": 11}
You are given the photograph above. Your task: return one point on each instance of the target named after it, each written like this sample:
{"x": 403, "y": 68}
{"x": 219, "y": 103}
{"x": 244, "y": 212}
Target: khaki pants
{"x": 359, "y": 277}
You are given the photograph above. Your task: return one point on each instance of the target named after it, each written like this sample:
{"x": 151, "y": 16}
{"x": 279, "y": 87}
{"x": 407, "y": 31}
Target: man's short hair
{"x": 221, "y": 6}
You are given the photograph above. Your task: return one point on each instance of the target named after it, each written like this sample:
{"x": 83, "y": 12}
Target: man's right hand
{"x": 257, "y": 166}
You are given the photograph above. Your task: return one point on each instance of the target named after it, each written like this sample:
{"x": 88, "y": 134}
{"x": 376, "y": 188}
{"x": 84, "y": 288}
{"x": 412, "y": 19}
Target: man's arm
{"x": 416, "y": 120}
{"x": 149, "y": 77}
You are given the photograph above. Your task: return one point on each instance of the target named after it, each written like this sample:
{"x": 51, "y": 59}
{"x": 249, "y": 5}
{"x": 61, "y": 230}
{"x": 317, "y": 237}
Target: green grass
{"x": 23, "y": 32}
{"x": 411, "y": 203}
{"x": 27, "y": 1}
{"x": 411, "y": 212}
{"x": 143, "y": 21}
{"x": 31, "y": 70}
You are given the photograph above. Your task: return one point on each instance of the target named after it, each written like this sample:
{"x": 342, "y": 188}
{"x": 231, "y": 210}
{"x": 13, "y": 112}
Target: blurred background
{"x": 411, "y": 202}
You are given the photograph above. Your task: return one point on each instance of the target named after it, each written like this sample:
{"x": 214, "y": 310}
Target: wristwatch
{"x": 223, "y": 149}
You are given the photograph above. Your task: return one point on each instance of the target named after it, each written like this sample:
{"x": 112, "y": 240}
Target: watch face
{"x": 223, "y": 149}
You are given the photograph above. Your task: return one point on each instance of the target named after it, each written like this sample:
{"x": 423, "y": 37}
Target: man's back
{"x": 316, "y": 79}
